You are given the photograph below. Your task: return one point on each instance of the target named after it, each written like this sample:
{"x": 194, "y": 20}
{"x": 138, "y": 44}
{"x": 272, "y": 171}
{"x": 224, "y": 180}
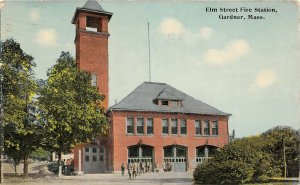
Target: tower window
{"x": 93, "y": 24}
{"x": 94, "y": 80}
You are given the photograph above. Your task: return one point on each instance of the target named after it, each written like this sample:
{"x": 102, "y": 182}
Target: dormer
{"x": 166, "y": 98}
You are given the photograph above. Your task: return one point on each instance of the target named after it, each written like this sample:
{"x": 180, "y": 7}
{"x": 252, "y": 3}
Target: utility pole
{"x": 1, "y": 124}
{"x": 149, "y": 52}
{"x": 1, "y": 105}
{"x": 284, "y": 158}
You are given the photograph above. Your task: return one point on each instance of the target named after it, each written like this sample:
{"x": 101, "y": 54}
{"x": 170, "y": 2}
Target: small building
{"x": 155, "y": 124}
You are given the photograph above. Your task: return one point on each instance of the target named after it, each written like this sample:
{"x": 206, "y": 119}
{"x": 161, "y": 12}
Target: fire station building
{"x": 156, "y": 123}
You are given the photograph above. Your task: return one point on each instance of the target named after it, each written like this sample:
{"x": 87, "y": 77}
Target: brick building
{"x": 156, "y": 123}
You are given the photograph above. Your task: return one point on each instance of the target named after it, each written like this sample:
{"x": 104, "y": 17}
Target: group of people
{"x": 137, "y": 168}
{"x": 167, "y": 166}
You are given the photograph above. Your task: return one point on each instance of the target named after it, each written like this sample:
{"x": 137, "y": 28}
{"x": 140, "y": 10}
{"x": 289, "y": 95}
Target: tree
{"x": 20, "y": 128}
{"x": 70, "y": 108}
{"x": 283, "y": 144}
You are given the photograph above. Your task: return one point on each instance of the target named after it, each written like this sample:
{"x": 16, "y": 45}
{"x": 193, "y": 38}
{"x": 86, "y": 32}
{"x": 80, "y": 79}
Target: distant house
{"x": 155, "y": 123}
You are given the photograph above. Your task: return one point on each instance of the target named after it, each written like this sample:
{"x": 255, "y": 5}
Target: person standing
{"x": 122, "y": 169}
{"x": 134, "y": 170}
{"x": 129, "y": 170}
{"x": 138, "y": 169}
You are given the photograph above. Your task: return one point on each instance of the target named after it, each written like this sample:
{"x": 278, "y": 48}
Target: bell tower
{"x": 91, "y": 42}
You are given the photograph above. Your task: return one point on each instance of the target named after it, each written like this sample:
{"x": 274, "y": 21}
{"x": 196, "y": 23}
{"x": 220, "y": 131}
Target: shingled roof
{"x": 142, "y": 99}
{"x": 93, "y": 7}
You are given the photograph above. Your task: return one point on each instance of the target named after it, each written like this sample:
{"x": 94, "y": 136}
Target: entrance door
{"x": 205, "y": 152}
{"x": 175, "y": 158}
{"x": 94, "y": 161}
{"x": 141, "y": 153}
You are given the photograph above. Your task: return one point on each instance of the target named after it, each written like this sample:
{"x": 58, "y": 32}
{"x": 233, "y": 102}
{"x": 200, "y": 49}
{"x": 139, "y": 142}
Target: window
{"x": 87, "y": 149}
{"x": 94, "y": 158}
{"x": 94, "y": 150}
{"x": 165, "y": 126}
{"x": 198, "y": 127}
{"x": 149, "y": 126}
{"x": 129, "y": 125}
{"x": 87, "y": 158}
{"x": 206, "y": 127}
{"x": 164, "y": 102}
{"x": 93, "y": 24}
{"x": 140, "y": 126}
{"x": 133, "y": 152}
{"x": 101, "y": 149}
{"x": 101, "y": 158}
{"x": 182, "y": 126}
{"x": 94, "y": 80}
{"x": 174, "y": 126}
{"x": 168, "y": 151}
{"x": 200, "y": 151}
{"x": 180, "y": 152}
{"x": 214, "y": 128}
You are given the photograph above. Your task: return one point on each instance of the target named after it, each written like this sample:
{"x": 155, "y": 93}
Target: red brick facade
{"x": 121, "y": 140}
{"x": 92, "y": 51}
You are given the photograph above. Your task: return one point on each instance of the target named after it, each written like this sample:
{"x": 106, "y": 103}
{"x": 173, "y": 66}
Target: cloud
{"x": 170, "y": 26}
{"x": 205, "y": 33}
{"x": 47, "y": 37}
{"x": 173, "y": 28}
{"x": 34, "y": 15}
{"x": 234, "y": 50}
{"x": 263, "y": 79}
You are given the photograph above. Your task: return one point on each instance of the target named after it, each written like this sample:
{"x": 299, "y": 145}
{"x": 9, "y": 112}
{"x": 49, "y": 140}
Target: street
{"x": 162, "y": 178}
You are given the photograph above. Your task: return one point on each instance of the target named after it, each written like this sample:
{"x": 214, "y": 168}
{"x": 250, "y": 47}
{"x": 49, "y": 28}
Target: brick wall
{"x": 92, "y": 52}
{"x": 158, "y": 140}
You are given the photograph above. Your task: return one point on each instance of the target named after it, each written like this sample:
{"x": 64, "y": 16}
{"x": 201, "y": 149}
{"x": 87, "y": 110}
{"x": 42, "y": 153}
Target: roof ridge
{"x": 172, "y": 93}
{"x": 160, "y": 83}
{"x": 95, "y": 5}
{"x": 165, "y": 90}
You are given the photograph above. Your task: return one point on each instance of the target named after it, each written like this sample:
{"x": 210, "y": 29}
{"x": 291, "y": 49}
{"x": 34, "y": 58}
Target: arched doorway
{"x": 175, "y": 158}
{"x": 140, "y": 153}
{"x": 205, "y": 152}
{"x": 94, "y": 159}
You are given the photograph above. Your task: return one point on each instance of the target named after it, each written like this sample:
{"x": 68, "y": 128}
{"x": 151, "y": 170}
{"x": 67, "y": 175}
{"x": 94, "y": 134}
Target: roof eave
{"x": 109, "y": 14}
{"x": 165, "y": 111}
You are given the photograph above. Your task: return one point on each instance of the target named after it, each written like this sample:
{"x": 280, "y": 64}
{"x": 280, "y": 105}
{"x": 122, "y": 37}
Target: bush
{"x": 228, "y": 172}
{"x": 238, "y": 162}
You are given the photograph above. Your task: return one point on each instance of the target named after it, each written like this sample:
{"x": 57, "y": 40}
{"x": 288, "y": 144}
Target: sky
{"x": 246, "y": 67}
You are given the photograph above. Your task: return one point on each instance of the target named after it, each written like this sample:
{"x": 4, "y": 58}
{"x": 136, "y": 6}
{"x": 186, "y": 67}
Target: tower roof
{"x": 91, "y": 6}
